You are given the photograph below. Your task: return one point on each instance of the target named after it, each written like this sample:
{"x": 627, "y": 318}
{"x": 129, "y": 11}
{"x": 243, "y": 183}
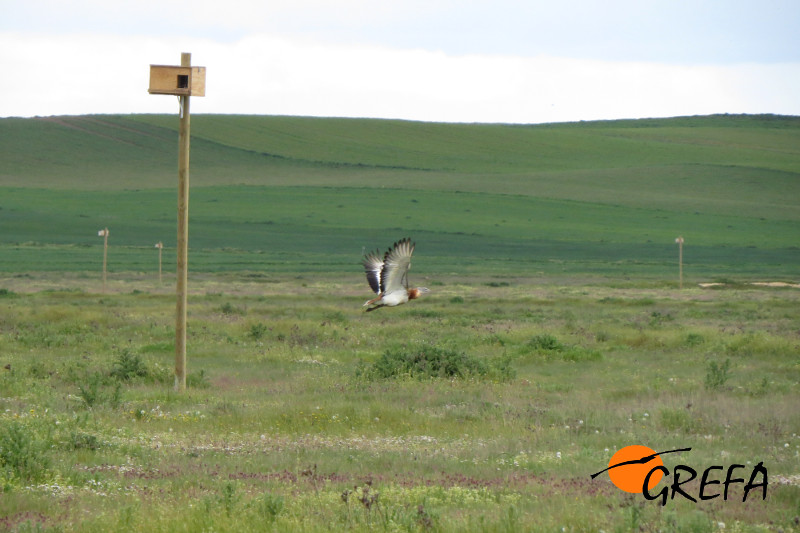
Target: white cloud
{"x": 268, "y": 74}
{"x": 448, "y": 60}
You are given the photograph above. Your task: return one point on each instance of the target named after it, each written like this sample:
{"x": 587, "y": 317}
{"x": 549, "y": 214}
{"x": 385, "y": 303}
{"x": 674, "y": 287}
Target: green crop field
{"x": 299, "y": 194}
{"x": 555, "y": 332}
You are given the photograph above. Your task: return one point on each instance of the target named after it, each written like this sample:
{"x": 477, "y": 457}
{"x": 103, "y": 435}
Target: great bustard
{"x": 388, "y": 275}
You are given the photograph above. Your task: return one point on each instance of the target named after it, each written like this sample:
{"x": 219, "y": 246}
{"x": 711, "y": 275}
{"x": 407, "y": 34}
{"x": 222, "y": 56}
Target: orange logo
{"x": 630, "y": 467}
{"x": 630, "y": 470}
{"x": 637, "y": 469}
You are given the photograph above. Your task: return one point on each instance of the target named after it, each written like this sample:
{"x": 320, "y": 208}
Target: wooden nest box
{"x": 180, "y": 81}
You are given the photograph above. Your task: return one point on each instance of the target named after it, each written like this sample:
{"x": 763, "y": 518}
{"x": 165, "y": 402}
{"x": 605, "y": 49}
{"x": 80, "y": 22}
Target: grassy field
{"x": 300, "y": 229}
{"x": 289, "y": 194}
{"x": 298, "y": 419}
{"x": 554, "y": 335}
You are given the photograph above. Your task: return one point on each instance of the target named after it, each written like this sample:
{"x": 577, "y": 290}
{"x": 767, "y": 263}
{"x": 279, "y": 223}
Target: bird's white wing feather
{"x": 396, "y": 263}
{"x": 373, "y": 266}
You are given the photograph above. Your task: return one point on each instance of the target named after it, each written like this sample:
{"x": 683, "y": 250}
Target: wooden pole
{"x": 182, "y": 81}
{"x": 160, "y": 246}
{"x": 105, "y": 257}
{"x": 183, "y": 236}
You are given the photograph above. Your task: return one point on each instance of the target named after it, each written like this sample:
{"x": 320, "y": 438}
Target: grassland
{"x": 284, "y": 427}
{"x": 555, "y": 313}
{"x": 292, "y": 194}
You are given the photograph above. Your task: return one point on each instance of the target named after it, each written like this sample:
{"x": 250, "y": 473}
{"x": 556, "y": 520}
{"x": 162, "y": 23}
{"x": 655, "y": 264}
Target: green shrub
{"x": 657, "y": 318}
{"x": 257, "y": 331}
{"x": 229, "y": 497}
{"x": 129, "y": 365}
{"x": 39, "y": 370}
{"x": 717, "y": 374}
{"x": 22, "y": 452}
{"x": 545, "y": 343}
{"x": 435, "y": 362}
{"x": 548, "y": 344}
{"x": 198, "y": 380}
{"x": 694, "y": 339}
{"x": 229, "y": 309}
{"x": 90, "y": 389}
{"x": 78, "y": 440}
{"x": 577, "y": 354}
{"x": 96, "y": 389}
{"x": 268, "y": 506}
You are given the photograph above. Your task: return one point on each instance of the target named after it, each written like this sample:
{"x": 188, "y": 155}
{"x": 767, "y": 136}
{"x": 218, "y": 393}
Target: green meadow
{"x": 555, "y": 332}
{"x": 286, "y": 194}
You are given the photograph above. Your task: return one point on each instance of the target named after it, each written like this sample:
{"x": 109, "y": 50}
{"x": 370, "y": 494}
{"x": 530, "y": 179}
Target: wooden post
{"x": 679, "y": 240}
{"x": 183, "y": 236}
{"x": 160, "y": 246}
{"x": 104, "y": 233}
{"x": 183, "y": 81}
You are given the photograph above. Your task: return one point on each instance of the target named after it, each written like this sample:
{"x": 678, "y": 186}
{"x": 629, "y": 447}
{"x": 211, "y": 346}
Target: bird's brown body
{"x": 388, "y": 276}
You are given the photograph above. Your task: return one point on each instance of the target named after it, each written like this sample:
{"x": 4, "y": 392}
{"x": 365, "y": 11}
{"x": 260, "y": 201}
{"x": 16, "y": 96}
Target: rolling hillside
{"x": 304, "y": 194}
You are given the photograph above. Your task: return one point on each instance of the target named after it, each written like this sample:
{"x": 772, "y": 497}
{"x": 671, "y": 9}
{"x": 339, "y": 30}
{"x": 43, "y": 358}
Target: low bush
{"x": 548, "y": 345}
{"x": 717, "y": 374}
{"x": 22, "y": 452}
{"x": 436, "y": 362}
{"x": 128, "y": 366}
{"x": 97, "y": 389}
{"x": 545, "y": 343}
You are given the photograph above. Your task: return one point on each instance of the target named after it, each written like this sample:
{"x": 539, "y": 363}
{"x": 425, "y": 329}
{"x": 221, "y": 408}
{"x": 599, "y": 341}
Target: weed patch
{"x": 232, "y": 310}
{"x": 545, "y": 343}
{"x": 694, "y": 339}
{"x": 128, "y": 366}
{"x": 549, "y": 346}
{"x": 198, "y": 380}
{"x": 257, "y": 331}
{"x": 23, "y": 452}
{"x": 678, "y": 420}
{"x": 717, "y": 374}
{"x": 435, "y": 362}
{"x": 657, "y": 318}
{"x": 96, "y": 389}
{"x": 268, "y": 507}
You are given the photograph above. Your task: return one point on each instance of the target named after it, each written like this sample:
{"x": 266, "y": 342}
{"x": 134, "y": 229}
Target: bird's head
{"x": 416, "y": 293}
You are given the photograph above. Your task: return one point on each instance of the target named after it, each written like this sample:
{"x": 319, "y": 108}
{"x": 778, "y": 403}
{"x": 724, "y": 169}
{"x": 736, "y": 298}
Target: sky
{"x": 509, "y": 61}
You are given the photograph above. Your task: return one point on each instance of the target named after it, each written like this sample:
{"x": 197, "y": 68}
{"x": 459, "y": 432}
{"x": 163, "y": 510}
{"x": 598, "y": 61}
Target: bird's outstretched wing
{"x": 373, "y": 265}
{"x": 396, "y": 262}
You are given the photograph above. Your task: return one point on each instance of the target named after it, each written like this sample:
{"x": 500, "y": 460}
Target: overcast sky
{"x": 520, "y": 61}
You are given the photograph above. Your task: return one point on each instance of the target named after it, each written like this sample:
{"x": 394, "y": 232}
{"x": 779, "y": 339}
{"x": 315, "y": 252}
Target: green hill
{"x": 306, "y": 194}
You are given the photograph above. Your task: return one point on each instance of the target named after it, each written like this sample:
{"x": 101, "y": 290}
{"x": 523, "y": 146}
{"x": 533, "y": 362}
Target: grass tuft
{"x": 435, "y": 362}
{"x": 128, "y": 366}
{"x": 23, "y": 451}
{"x": 717, "y": 374}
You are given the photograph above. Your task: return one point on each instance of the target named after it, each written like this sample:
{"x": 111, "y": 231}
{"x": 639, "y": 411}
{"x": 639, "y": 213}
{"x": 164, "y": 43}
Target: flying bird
{"x": 388, "y": 276}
